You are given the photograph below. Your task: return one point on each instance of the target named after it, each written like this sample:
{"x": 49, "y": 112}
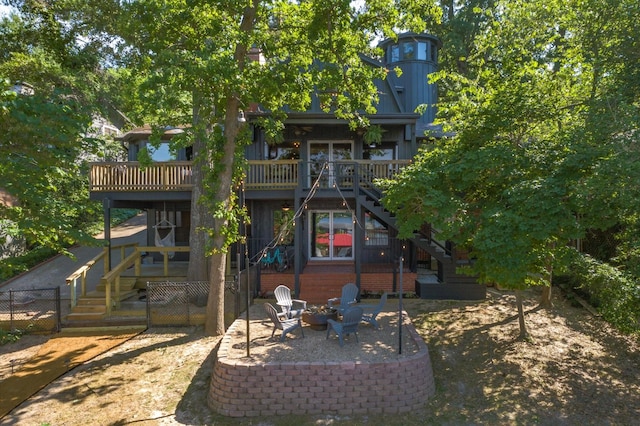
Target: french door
{"x": 331, "y": 235}
{"x": 325, "y": 154}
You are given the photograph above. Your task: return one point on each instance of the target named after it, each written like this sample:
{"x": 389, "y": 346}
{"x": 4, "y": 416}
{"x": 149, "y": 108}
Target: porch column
{"x": 297, "y": 244}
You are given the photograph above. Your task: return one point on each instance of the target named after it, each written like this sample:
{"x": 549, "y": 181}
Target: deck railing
{"x": 261, "y": 175}
{"x": 131, "y": 176}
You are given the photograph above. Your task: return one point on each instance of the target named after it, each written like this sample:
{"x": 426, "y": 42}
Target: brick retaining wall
{"x": 243, "y": 388}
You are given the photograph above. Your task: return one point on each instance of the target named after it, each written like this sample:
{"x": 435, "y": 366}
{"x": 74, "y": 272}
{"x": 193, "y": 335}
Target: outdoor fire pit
{"x": 317, "y": 316}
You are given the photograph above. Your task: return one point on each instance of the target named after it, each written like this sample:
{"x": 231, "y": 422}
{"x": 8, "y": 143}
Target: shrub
{"x": 614, "y": 293}
{"x": 10, "y": 336}
{"x": 12, "y": 266}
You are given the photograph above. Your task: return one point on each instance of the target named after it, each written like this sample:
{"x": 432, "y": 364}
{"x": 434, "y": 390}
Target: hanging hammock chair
{"x": 169, "y": 240}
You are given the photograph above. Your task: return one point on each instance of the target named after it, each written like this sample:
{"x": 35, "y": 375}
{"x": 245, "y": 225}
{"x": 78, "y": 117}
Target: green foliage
{"x": 10, "y": 336}
{"x": 91, "y": 224}
{"x": 536, "y": 160}
{"x": 43, "y": 152}
{"x": 11, "y": 267}
{"x": 614, "y": 293}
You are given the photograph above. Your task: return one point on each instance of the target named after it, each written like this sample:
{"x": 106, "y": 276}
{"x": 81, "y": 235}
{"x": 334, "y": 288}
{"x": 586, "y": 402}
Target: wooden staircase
{"x": 92, "y": 308}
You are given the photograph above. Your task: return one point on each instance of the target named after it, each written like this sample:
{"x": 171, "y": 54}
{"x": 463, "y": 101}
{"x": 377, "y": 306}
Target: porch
{"x": 176, "y": 176}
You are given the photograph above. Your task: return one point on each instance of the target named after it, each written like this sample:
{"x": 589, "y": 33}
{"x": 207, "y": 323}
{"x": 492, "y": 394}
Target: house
{"x": 317, "y": 222}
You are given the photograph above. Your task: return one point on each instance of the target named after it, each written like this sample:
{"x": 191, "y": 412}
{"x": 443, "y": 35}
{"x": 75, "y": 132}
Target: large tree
{"x": 208, "y": 60}
{"x": 42, "y": 142}
{"x": 544, "y": 116}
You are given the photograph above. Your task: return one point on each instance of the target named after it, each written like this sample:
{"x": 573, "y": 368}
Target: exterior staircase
{"x": 92, "y": 308}
{"x": 448, "y": 283}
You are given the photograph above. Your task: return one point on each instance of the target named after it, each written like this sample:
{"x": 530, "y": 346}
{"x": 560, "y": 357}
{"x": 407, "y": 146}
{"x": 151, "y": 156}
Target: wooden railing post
{"x": 117, "y": 292}
{"x": 74, "y": 299}
{"x": 83, "y": 282}
{"x": 138, "y": 266}
{"x": 107, "y": 297}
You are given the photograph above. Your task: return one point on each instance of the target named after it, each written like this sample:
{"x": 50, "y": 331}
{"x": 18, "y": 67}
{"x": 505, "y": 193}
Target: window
{"x": 395, "y": 53}
{"x": 161, "y": 153}
{"x": 375, "y": 233}
{"x": 379, "y": 152}
{"x": 285, "y": 151}
{"x": 408, "y": 51}
{"x": 422, "y": 51}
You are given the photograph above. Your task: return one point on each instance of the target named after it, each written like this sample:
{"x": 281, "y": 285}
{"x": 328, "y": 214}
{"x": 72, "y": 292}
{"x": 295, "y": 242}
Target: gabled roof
{"x": 143, "y": 133}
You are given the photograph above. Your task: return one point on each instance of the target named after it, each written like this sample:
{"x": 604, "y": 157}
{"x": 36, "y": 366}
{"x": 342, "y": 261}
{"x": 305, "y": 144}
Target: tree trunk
{"x": 214, "y": 322}
{"x": 524, "y": 332}
{"x": 545, "y": 299}
{"x": 200, "y": 221}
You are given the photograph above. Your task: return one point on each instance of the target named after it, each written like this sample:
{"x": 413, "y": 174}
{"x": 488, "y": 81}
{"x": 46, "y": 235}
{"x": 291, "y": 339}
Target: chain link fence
{"x": 184, "y": 303}
{"x": 176, "y": 303}
{"x": 36, "y": 310}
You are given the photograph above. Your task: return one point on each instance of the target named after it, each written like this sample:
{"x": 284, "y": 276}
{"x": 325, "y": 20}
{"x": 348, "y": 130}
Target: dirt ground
{"x": 576, "y": 371}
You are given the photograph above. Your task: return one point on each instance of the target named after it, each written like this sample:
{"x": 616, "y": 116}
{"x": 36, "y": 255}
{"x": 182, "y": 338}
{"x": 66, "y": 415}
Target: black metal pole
{"x": 400, "y": 309}
{"x": 246, "y": 249}
{"x": 248, "y": 305}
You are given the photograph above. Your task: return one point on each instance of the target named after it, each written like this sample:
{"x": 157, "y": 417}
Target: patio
{"x": 315, "y": 375}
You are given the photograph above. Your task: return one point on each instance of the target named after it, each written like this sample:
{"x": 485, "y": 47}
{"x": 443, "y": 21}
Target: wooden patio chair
{"x": 370, "y": 312}
{"x": 349, "y": 324}
{"x": 292, "y": 307}
{"x": 282, "y": 322}
{"x": 347, "y": 299}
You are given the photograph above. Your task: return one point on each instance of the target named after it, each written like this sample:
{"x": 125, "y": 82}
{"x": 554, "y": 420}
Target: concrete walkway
{"x": 54, "y": 272}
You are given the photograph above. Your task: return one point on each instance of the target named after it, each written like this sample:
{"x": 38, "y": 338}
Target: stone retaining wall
{"x": 243, "y": 388}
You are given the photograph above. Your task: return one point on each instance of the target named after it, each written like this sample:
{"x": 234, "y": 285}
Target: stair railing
{"x": 82, "y": 272}
{"x": 367, "y": 186}
{"x": 134, "y": 259}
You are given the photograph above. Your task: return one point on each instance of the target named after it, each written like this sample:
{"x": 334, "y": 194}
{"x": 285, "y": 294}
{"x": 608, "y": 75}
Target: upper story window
{"x": 422, "y": 50}
{"x": 385, "y": 151}
{"x": 395, "y": 53}
{"x": 409, "y": 50}
{"x": 412, "y": 50}
{"x": 161, "y": 153}
{"x": 284, "y": 151}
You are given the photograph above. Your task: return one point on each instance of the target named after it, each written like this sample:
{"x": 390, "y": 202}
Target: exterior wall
{"x": 318, "y": 288}
{"x": 245, "y": 388}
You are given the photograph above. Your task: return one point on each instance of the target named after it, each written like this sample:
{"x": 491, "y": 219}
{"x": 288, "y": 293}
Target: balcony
{"x": 261, "y": 175}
